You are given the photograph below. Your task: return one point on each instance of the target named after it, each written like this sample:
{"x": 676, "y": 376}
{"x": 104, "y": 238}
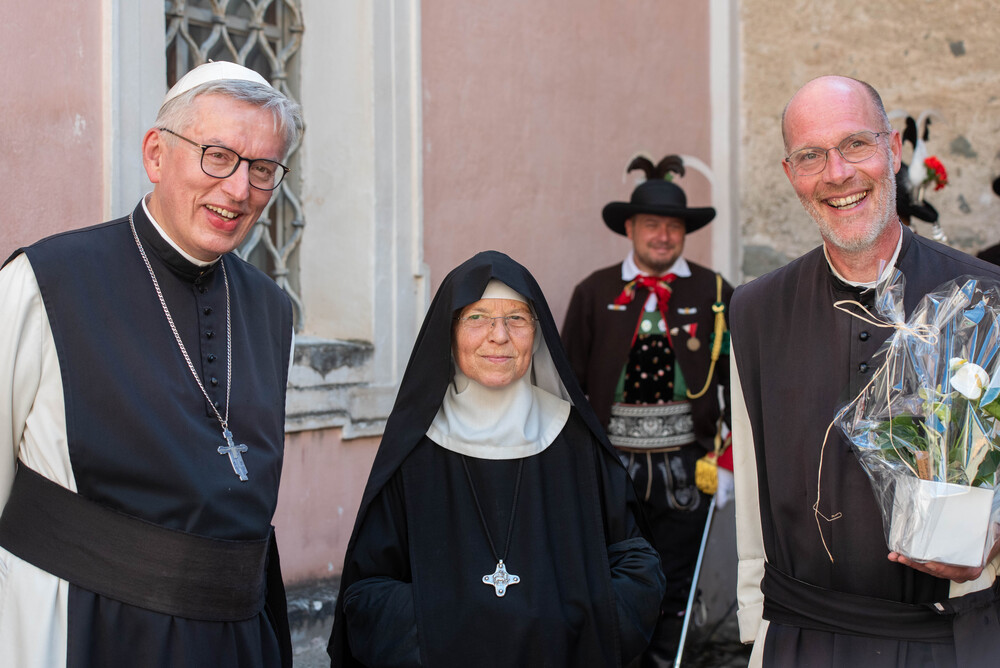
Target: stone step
{"x": 310, "y": 616}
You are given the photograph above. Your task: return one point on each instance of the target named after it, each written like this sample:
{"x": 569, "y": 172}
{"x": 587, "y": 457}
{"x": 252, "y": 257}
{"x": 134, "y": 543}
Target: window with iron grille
{"x": 265, "y": 36}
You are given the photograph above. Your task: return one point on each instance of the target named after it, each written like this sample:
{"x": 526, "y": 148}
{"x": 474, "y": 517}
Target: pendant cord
{"x": 482, "y": 517}
{"x": 224, "y": 421}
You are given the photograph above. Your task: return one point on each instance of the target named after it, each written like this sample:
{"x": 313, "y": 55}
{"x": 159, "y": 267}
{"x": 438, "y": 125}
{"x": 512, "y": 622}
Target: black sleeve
{"x": 636, "y": 577}
{"x": 379, "y": 610}
{"x": 276, "y": 603}
{"x": 382, "y": 623}
{"x": 639, "y": 585}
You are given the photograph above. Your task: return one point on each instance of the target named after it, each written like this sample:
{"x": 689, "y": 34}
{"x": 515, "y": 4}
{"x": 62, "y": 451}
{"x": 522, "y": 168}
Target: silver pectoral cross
{"x": 501, "y": 579}
{"x": 235, "y": 458}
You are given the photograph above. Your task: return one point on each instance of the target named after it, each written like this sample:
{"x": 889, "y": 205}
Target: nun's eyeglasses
{"x": 856, "y": 148}
{"x": 515, "y": 324}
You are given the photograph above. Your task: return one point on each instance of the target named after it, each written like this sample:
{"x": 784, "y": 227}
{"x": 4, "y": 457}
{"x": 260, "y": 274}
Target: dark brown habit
{"x": 799, "y": 360}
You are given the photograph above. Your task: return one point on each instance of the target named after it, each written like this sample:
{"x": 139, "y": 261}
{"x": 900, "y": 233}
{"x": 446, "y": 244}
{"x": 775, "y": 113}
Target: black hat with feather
{"x": 657, "y": 196}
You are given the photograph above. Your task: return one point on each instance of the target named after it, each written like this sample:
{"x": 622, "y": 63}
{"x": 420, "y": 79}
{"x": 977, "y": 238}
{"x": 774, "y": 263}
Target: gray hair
{"x": 178, "y": 113}
{"x": 873, "y": 97}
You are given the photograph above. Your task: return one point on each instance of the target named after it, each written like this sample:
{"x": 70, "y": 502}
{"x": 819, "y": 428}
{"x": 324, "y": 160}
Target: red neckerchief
{"x": 658, "y": 285}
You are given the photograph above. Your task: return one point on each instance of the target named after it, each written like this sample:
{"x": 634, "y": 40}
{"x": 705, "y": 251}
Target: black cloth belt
{"x": 795, "y": 603}
{"x": 129, "y": 559}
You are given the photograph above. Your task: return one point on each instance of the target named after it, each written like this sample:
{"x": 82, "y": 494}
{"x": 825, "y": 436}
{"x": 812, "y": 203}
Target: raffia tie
{"x": 926, "y": 333}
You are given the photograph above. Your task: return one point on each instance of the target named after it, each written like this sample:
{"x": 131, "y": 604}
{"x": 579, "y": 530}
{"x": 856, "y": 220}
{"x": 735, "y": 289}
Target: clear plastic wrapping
{"x": 926, "y": 429}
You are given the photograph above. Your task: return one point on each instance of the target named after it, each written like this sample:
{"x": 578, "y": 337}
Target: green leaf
{"x": 986, "y": 474}
{"x": 992, "y": 409}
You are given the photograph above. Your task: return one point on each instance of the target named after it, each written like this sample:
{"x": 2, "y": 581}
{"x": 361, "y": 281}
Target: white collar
{"x": 156, "y": 226}
{"x": 511, "y": 422}
{"x": 630, "y": 269}
{"x": 519, "y": 420}
{"x": 885, "y": 270}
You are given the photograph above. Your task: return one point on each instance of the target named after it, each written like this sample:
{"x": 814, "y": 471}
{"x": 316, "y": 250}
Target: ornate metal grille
{"x": 265, "y": 36}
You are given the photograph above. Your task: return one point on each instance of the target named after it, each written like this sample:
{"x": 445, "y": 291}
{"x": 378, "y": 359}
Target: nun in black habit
{"x": 498, "y": 525}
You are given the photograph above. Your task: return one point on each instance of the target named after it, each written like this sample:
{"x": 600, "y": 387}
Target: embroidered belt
{"x": 651, "y": 426}
{"x": 129, "y": 559}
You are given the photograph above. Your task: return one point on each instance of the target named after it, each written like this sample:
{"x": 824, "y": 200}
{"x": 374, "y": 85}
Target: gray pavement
{"x": 717, "y": 647}
{"x": 310, "y": 614}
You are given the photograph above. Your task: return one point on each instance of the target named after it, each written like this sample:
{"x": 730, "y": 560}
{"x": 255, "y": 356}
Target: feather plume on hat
{"x": 661, "y": 170}
{"x": 658, "y": 195}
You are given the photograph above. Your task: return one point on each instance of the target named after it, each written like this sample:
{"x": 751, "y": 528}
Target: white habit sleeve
{"x": 749, "y": 538}
{"x": 33, "y": 603}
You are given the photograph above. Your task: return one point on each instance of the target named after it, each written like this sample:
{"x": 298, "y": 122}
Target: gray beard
{"x": 886, "y": 206}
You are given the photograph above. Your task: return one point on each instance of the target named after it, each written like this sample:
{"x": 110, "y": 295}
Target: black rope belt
{"x": 129, "y": 559}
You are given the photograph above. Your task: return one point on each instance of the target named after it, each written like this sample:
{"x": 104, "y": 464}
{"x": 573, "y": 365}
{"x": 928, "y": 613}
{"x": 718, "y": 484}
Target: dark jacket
{"x": 598, "y": 339}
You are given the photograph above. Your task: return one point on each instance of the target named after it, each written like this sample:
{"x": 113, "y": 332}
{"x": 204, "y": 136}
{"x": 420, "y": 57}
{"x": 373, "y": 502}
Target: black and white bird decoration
{"x": 912, "y": 178}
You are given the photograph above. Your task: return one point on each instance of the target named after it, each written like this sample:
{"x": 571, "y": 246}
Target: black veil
{"x": 430, "y": 368}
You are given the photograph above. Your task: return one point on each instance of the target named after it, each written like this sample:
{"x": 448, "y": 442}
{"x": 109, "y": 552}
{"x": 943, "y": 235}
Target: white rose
{"x": 969, "y": 380}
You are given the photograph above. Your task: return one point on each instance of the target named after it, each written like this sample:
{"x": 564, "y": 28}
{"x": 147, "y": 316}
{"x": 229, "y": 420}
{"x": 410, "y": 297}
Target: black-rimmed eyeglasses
{"x": 220, "y": 162}
{"x": 855, "y": 148}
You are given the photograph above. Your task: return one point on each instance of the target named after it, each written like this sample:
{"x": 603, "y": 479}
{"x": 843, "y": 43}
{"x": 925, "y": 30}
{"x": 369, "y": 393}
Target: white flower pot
{"x": 939, "y": 521}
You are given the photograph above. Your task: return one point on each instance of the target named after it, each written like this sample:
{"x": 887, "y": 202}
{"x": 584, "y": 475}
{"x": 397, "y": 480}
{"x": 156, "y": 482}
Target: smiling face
{"x": 492, "y": 355}
{"x": 657, "y": 241}
{"x": 204, "y": 215}
{"x": 853, "y": 204}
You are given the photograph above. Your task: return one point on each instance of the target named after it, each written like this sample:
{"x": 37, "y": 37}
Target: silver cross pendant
{"x": 235, "y": 457}
{"x": 501, "y": 579}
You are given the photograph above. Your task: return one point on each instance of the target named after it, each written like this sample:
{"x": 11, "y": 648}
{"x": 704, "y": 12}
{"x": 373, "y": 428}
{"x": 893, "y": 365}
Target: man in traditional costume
{"x": 646, "y": 339}
{"x": 142, "y": 408}
{"x": 497, "y": 527}
{"x": 815, "y": 585}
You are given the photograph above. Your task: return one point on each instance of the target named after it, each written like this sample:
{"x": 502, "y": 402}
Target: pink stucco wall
{"x": 530, "y": 113}
{"x": 50, "y": 120}
{"x": 322, "y": 480}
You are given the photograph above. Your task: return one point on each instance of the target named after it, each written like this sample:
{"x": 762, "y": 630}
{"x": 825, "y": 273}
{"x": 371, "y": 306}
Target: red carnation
{"x": 936, "y": 173}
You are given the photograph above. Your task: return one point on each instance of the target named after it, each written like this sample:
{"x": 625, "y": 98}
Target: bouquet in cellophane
{"x": 926, "y": 429}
